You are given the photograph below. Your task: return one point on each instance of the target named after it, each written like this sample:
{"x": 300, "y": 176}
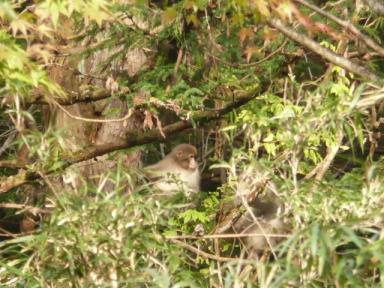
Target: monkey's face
{"x": 186, "y": 157}
{"x": 187, "y": 161}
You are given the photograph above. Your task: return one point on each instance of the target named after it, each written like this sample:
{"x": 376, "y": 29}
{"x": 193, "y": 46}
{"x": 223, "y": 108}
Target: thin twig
{"x": 273, "y": 53}
{"x": 92, "y": 120}
{"x": 33, "y": 210}
{"x": 8, "y": 141}
{"x": 223, "y": 236}
{"x": 9, "y": 234}
{"x": 324, "y": 52}
{"x": 323, "y": 166}
{"x": 247, "y": 65}
{"x": 347, "y": 25}
{"x": 202, "y": 253}
{"x": 178, "y": 61}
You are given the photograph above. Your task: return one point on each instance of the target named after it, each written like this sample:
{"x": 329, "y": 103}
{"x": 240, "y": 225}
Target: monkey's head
{"x": 185, "y": 156}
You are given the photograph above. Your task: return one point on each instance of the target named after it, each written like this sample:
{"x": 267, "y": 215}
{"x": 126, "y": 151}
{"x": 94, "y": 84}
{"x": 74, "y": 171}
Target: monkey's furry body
{"x": 177, "y": 171}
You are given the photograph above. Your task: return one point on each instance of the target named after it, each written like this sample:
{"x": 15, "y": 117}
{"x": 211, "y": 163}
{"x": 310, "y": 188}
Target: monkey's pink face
{"x": 187, "y": 160}
{"x": 192, "y": 163}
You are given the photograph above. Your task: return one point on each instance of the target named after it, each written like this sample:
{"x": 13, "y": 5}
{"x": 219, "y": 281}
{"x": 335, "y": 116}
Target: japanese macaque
{"x": 255, "y": 193}
{"x": 177, "y": 171}
{"x": 261, "y": 219}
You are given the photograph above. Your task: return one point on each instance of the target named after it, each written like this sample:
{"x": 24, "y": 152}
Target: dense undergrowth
{"x": 308, "y": 127}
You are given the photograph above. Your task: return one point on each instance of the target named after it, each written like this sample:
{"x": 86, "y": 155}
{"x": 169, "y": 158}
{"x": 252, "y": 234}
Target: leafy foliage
{"x": 313, "y": 130}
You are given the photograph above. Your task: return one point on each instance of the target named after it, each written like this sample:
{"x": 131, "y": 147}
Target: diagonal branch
{"x": 136, "y": 138}
{"x": 324, "y": 52}
{"x": 132, "y": 139}
{"x": 322, "y": 167}
{"x": 347, "y": 25}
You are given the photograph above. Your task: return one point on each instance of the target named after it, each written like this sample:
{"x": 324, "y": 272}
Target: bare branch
{"x": 17, "y": 180}
{"x": 33, "y": 210}
{"x": 225, "y": 236}
{"x": 92, "y": 120}
{"x": 136, "y": 138}
{"x": 324, "y": 52}
{"x": 132, "y": 139}
{"x": 88, "y": 94}
{"x": 202, "y": 253}
{"x": 322, "y": 167}
{"x": 12, "y": 164}
{"x": 347, "y": 25}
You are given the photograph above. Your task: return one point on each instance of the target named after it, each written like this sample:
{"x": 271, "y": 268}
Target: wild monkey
{"x": 263, "y": 222}
{"x": 255, "y": 195}
{"x": 177, "y": 171}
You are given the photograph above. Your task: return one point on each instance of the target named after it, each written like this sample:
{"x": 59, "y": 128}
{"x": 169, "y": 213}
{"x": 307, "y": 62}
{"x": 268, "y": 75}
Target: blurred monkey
{"x": 264, "y": 221}
{"x": 177, "y": 171}
{"x": 257, "y": 194}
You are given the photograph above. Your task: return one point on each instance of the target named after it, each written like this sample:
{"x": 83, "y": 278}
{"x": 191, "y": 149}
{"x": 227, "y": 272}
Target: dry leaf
{"x": 148, "y": 120}
{"x": 286, "y": 9}
{"x": 159, "y": 125}
{"x": 111, "y": 84}
{"x": 270, "y": 34}
{"x": 193, "y": 19}
{"x": 250, "y": 51}
{"x": 244, "y": 34}
{"x": 138, "y": 100}
{"x": 262, "y": 7}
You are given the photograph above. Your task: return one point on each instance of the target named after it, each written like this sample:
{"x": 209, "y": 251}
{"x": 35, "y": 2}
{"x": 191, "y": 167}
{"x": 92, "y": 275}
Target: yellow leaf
{"x": 95, "y": 12}
{"x": 169, "y": 15}
{"x": 45, "y": 30}
{"x": 285, "y": 10}
{"x": 269, "y": 34}
{"x": 190, "y": 4}
{"x": 6, "y": 11}
{"x": 237, "y": 19}
{"x": 262, "y": 7}
{"x": 193, "y": 19}
{"x": 250, "y": 51}
{"x": 19, "y": 26}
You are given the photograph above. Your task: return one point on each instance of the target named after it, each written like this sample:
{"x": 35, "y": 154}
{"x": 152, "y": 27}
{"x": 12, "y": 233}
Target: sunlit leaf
{"x": 169, "y": 15}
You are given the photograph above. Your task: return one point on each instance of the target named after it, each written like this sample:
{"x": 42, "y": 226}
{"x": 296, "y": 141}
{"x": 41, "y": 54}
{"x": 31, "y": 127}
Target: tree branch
{"x": 12, "y": 164}
{"x": 17, "y": 180}
{"x": 32, "y": 209}
{"x": 88, "y": 94}
{"x": 323, "y": 166}
{"x": 324, "y": 52}
{"x": 347, "y": 25}
{"x": 136, "y": 138}
{"x": 203, "y": 254}
{"x": 132, "y": 139}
